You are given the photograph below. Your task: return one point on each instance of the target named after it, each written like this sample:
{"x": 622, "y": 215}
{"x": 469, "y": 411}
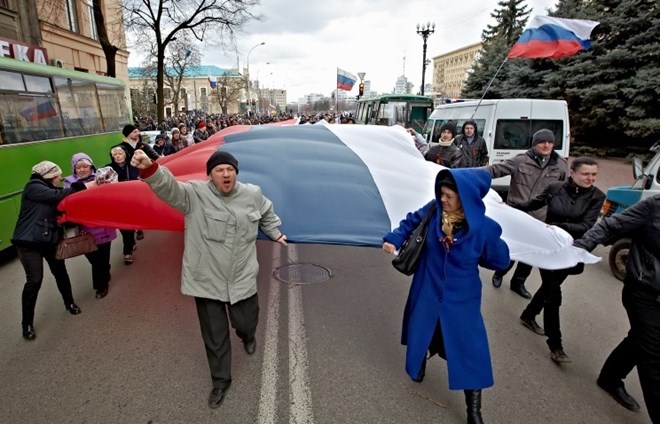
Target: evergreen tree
{"x": 511, "y": 17}
{"x": 613, "y": 89}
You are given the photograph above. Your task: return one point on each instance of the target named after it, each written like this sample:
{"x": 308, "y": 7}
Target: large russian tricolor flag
{"x": 330, "y": 184}
{"x": 345, "y": 80}
{"x": 548, "y": 37}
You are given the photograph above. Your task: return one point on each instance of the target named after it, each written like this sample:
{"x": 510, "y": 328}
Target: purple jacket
{"x": 101, "y": 235}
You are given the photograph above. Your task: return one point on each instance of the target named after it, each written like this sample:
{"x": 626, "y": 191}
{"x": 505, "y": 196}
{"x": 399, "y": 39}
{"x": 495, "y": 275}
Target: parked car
{"x": 149, "y": 137}
{"x": 647, "y": 184}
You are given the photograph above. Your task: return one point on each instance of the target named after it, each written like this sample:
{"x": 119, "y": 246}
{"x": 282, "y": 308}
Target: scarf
{"x": 449, "y": 220}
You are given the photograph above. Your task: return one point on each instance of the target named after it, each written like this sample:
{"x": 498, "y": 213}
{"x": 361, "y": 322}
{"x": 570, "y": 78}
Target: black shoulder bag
{"x": 411, "y": 250}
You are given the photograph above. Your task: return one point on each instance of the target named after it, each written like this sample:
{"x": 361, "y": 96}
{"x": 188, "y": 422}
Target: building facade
{"x": 203, "y": 88}
{"x": 66, "y": 29}
{"x": 450, "y": 70}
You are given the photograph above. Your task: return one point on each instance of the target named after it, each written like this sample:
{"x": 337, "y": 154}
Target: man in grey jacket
{"x": 531, "y": 172}
{"x": 220, "y": 265}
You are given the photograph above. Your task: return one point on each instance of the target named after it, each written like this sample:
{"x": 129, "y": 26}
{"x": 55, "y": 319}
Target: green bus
{"x": 50, "y": 113}
{"x": 407, "y": 110}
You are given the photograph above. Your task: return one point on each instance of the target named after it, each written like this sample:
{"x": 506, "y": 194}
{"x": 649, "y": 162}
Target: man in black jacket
{"x": 641, "y": 298}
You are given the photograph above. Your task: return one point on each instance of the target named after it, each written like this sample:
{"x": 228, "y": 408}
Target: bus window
{"x": 80, "y": 108}
{"x": 11, "y": 81}
{"x": 113, "y": 106}
{"x": 26, "y": 118}
{"x": 517, "y": 133}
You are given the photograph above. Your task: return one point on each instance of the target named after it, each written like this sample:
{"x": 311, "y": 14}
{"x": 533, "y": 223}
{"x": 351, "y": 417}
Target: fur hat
{"x": 129, "y": 128}
{"x": 219, "y": 158}
{"x": 47, "y": 169}
{"x": 543, "y": 135}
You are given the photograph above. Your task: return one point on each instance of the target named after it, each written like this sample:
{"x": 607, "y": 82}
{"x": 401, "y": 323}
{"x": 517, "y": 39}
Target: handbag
{"x": 70, "y": 247}
{"x": 411, "y": 250}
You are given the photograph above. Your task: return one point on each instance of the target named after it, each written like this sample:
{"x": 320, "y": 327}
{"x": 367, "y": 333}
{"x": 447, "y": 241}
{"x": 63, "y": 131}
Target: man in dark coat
{"x": 473, "y": 147}
{"x": 641, "y": 298}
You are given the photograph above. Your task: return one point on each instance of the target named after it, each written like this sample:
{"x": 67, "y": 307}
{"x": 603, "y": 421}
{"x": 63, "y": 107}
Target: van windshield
{"x": 517, "y": 133}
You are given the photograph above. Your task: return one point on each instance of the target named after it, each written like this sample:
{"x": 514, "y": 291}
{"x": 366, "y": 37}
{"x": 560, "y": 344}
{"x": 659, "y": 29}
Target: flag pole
{"x": 488, "y": 86}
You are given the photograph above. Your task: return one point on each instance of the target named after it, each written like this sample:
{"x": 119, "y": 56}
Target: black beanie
{"x": 449, "y": 127}
{"x": 128, "y": 129}
{"x": 543, "y": 135}
{"x": 445, "y": 178}
{"x": 220, "y": 158}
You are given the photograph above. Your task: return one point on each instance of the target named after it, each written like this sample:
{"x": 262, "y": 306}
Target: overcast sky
{"x": 307, "y": 40}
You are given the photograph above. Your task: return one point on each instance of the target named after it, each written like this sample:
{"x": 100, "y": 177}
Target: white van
{"x": 507, "y": 125}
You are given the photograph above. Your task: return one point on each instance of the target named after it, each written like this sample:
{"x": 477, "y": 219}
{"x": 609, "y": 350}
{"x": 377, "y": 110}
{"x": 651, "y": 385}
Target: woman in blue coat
{"x": 443, "y": 311}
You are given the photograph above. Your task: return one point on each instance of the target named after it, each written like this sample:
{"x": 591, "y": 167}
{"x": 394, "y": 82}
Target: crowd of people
{"x": 443, "y": 311}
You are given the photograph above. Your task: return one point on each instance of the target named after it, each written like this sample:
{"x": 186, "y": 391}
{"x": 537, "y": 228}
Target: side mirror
{"x": 637, "y": 168}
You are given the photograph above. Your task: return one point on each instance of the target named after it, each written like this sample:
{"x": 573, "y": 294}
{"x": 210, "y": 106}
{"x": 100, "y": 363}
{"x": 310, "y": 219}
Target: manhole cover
{"x": 302, "y": 274}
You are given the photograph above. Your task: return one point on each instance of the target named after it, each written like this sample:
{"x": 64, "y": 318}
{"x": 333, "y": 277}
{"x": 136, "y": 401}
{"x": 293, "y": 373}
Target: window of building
{"x": 89, "y": 5}
{"x": 3, "y": 3}
{"x": 203, "y": 91}
{"x": 71, "y": 15}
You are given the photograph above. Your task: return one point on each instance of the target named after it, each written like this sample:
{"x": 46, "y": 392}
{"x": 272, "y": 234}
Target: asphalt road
{"x": 327, "y": 352}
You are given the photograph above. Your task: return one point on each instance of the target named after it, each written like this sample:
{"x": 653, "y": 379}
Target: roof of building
{"x": 201, "y": 71}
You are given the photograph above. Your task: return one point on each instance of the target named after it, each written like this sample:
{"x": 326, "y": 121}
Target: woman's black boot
{"x": 473, "y": 402}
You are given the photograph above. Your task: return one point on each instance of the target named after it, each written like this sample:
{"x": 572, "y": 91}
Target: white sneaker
{"x": 128, "y": 259}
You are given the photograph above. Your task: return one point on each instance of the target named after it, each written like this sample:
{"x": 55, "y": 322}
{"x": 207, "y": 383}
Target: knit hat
{"x": 220, "y": 158}
{"x": 449, "y": 127}
{"x": 201, "y": 125}
{"x": 47, "y": 169}
{"x": 175, "y": 130}
{"x": 446, "y": 179}
{"x": 85, "y": 160}
{"x": 543, "y": 135}
{"x": 128, "y": 129}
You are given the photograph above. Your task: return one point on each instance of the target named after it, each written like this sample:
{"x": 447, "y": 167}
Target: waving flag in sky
{"x": 345, "y": 80}
{"x": 548, "y": 37}
{"x": 330, "y": 184}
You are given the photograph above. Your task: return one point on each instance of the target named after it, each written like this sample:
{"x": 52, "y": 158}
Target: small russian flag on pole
{"x": 548, "y": 37}
{"x": 345, "y": 80}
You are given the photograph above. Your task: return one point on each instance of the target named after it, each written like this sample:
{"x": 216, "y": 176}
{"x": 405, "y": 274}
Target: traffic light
{"x": 361, "y": 92}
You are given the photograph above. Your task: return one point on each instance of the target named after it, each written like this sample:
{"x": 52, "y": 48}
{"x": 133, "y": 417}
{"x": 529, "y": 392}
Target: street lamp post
{"x": 425, "y": 31}
{"x": 248, "y": 70}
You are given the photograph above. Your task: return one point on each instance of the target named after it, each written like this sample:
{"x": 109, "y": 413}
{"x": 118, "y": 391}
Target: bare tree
{"x": 229, "y": 90}
{"x": 182, "y": 56}
{"x": 162, "y": 21}
{"x": 109, "y": 49}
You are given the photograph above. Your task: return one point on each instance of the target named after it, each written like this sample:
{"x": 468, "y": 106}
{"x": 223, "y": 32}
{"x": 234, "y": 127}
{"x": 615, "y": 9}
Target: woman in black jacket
{"x": 573, "y": 206}
{"x": 36, "y": 235}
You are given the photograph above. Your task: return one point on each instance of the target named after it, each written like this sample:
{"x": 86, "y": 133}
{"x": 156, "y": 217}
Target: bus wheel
{"x": 618, "y": 258}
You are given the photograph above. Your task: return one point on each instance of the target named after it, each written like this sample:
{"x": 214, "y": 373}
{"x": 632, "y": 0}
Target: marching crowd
{"x": 442, "y": 314}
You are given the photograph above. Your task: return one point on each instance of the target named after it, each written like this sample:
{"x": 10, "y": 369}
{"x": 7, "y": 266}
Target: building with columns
{"x": 450, "y": 70}
{"x": 66, "y": 30}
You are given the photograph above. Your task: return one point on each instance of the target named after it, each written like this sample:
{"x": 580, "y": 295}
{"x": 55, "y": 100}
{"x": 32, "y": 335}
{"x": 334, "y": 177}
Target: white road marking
{"x": 268, "y": 399}
{"x": 300, "y": 394}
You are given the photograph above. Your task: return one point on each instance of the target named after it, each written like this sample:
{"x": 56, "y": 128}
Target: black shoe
{"x": 217, "y": 396}
{"x": 28, "y": 332}
{"x": 73, "y": 309}
{"x": 100, "y": 294}
{"x": 521, "y": 290}
{"x": 559, "y": 356}
{"x": 250, "y": 346}
{"x": 497, "y": 280}
{"x": 422, "y": 372}
{"x": 532, "y": 325}
{"x": 139, "y": 234}
{"x": 619, "y": 393}
{"x": 473, "y": 402}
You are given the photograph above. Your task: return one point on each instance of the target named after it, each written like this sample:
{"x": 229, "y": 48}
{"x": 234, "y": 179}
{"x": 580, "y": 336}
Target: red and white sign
{"x": 22, "y": 51}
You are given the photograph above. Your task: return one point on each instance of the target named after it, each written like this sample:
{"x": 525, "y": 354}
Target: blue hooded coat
{"x": 447, "y": 287}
